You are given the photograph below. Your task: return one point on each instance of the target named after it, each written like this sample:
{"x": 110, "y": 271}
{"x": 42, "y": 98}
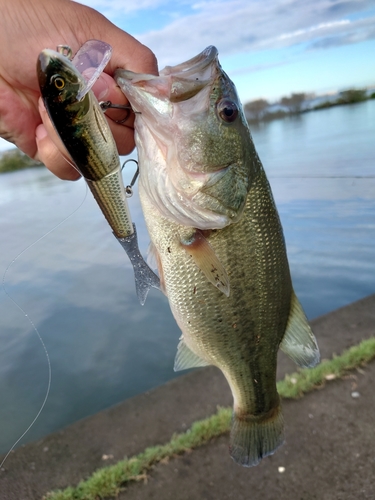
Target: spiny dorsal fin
{"x": 299, "y": 342}
{"x": 206, "y": 260}
{"x": 185, "y": 358}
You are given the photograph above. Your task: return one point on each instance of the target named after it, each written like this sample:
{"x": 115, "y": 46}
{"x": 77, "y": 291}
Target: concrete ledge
{"x": 64, "y": 458}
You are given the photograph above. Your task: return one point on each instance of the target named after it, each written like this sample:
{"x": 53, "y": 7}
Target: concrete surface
{"x": 329, "y": 452}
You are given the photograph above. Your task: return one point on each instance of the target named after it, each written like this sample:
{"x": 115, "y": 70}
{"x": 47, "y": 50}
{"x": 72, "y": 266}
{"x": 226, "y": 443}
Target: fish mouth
{"x": 190, "y": 77}
{"x": 175, "y": 83}
{"x": 197, "y": 64}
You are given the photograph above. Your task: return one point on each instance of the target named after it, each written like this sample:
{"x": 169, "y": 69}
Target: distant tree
{"x": 294, "y": 102}
{"x": 352, "y": 96}
{"x": 255, "y": 109}
{"x": 16, "y": 160}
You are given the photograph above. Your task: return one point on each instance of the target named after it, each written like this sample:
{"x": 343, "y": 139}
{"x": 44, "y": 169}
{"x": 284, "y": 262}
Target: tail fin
{"x": 253, "y": 438}
{"x": 144, "y": 277}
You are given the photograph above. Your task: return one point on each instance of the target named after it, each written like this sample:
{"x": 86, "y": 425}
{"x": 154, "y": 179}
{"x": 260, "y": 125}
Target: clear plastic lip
{"x": 90, "y": 61}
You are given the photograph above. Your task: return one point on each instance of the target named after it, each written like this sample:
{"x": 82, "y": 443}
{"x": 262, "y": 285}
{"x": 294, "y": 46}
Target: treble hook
{"x": 108, "y": 104}
{"x": 129, "y": 187}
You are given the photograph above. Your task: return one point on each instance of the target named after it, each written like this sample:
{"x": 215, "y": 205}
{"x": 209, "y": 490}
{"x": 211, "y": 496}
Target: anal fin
{"x": 207, "y": 261}
{"x": 185, "y": 358}
{"x": 299, "y": 342}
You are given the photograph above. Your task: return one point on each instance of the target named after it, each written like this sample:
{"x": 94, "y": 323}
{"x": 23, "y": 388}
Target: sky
{"x": 269, "y": 48}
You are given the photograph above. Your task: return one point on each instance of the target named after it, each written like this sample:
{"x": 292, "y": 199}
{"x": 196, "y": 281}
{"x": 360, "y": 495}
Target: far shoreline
{"x": 261, "y": 111}
{"x": 256, "y": 112}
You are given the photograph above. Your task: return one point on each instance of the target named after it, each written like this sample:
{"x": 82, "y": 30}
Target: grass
{"x": 109, "y": 481}
{"x": 295, "y": 385}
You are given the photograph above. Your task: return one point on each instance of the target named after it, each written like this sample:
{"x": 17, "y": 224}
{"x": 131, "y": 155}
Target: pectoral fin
{"x": 299, "y": 342}
{"x": 185, "y": 358}
{"x": 154, "y": 262}
{"x": 206, "y": 260}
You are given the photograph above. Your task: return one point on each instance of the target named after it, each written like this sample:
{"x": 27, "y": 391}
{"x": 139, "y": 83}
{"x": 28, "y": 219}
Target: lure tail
{"x": 144, "y": 277}
{"x": 253, "y": 438}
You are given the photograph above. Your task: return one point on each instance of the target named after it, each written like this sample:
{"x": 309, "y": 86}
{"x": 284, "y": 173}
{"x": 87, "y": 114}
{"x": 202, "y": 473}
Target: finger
{"x": 106, "y": 89}
{"x": 139, "y": 59}
{"x": 129, "y": 53}
{"x": 124, "y": 137}
{"x": 121, "y": 121}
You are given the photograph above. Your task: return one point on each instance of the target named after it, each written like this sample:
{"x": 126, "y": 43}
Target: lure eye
{"x": 59, "y": 82}
{"x": 227, "y": 110}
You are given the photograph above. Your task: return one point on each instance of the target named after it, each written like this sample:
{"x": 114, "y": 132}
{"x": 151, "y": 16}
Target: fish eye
{"x": 227, "y": 110}
{"x": 58, "y": 81}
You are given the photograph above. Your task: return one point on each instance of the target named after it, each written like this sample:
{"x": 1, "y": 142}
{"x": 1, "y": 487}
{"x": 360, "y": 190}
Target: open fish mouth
{"x": 194, "y": 65}
{"x": 190, "y": 77}
{"x": 176, "y": 83}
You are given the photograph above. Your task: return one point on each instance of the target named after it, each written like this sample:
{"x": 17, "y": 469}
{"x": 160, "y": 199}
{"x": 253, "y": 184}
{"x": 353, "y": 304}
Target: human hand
{"x": 28, "y": 27}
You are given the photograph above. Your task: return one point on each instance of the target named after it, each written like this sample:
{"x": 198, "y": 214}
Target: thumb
{"x": 127, "y": 52}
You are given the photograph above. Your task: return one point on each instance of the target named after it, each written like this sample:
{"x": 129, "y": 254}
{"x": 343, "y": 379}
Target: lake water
{"x": 76, "y": 284}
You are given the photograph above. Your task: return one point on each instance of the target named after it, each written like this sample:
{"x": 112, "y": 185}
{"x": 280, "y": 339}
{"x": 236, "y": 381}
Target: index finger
{"x": 129, "y": 53}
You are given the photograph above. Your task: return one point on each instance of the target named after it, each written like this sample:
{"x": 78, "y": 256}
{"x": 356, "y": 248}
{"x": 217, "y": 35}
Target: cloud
{"x": 363, "y": 31}
{"x": 111, "y": 8}
{"x": 178, "y": 29}
{"x": 257, "y": 67}
{"x": 312, "y": 29}
{"x": 244, "y": 26}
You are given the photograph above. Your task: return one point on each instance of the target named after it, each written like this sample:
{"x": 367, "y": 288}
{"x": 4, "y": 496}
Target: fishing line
{"x": 321, "y": 177}
{"x": 33, "y": 325}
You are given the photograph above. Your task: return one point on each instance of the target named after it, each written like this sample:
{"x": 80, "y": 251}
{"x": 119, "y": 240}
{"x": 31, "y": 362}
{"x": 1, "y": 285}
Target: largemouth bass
{"x": 218, "y": 242}
{"x": 86, "y": 135}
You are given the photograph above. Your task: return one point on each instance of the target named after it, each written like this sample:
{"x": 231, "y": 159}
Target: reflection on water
{"x": 77, "y": 286}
